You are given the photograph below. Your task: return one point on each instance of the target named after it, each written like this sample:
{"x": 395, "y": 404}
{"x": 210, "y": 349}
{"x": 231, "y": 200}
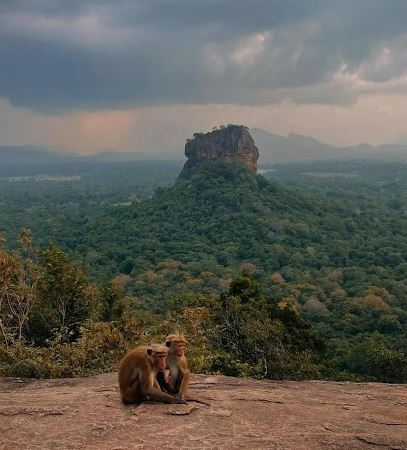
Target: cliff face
{"x": 231, "y": 144}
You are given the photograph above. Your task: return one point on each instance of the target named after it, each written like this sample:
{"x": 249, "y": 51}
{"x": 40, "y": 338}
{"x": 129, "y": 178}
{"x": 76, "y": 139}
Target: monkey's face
{"x": 159, "y": 361}
{"x": 178, "y": 348}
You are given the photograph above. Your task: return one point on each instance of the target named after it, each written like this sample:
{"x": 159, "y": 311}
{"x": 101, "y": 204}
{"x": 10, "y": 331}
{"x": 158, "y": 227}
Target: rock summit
{"x": 232, "y": 143}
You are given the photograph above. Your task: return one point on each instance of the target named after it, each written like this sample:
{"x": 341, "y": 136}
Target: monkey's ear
{"x": 168, "y": 343}
{"x": 149, "y": 351}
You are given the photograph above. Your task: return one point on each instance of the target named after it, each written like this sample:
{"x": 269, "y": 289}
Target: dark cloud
{"x": 123, "y": 53}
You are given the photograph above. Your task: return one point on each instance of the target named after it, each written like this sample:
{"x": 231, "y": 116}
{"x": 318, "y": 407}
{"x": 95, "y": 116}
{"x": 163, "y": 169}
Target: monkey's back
{"x": 133, "y": 363}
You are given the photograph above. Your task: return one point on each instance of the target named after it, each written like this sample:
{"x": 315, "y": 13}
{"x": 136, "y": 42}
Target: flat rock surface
{"x": 243, "y": 414}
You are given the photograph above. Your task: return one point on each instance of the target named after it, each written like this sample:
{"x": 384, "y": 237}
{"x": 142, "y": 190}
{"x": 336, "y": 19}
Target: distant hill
{"x": 113, "y": 156}
{"x": 29, "y": 154}
{"x": 274, "y": 149}
{"x": 278, "y": 149}
{"x": 219, "y": 213}
{"x": 32, "y": 155}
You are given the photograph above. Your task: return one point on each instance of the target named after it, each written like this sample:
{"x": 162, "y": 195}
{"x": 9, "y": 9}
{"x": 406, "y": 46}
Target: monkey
{"x": 179, "y": 377}
{"x": 137, "y": 375}
{"x": 177, "y": 380}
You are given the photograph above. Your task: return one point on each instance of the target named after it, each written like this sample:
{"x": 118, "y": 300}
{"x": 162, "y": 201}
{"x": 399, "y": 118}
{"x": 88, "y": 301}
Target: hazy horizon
{"x": 178, "y": 153}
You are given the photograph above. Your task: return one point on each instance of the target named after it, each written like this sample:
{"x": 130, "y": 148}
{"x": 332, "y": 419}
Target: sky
{"x": 143, "y": 75}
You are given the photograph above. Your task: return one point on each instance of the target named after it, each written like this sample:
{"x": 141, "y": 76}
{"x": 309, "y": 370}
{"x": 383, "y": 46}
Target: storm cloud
{"x": 57, "y": 56}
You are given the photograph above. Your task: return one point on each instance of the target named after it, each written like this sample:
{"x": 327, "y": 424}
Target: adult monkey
{"x": 178, "y": 381}
{"x": 137, "y": 375}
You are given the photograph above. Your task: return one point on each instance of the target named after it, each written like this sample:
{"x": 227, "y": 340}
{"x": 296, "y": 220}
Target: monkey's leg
{"x": 131, "y": 395}
{"x": 184, "y": 384}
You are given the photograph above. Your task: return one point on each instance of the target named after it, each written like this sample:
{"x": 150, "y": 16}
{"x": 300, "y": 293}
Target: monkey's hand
{"x": 167, "y": 375}
{"x": 170, "y": 385}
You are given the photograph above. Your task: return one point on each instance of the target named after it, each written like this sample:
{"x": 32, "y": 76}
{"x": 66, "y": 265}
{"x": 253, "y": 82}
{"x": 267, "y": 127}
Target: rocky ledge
{"x": 247, "y": 414}
{"x": 231, "y": 144}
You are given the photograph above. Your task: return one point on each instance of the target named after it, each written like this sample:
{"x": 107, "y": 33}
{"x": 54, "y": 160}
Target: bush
{"x": 381, "y": 363}
{"x": 260, "y": 337}
{"x": 99, "y": 348}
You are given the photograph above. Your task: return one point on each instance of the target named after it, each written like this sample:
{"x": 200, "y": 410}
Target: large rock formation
{"x": 86, "y": 413}
{"x": 231, "y": 144}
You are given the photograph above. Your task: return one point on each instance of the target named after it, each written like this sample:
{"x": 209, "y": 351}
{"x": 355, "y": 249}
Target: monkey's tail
{"x": 196, "y": 400}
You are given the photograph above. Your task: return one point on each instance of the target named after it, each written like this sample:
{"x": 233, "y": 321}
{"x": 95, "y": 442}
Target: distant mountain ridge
{"x": 28, "y": 154}
{"x": 274, "y": 149}
{"x": 277, "y": 149}
{"x": 31, "y": 154}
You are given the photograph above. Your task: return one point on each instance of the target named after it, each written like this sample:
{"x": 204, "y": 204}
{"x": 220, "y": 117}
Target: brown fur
{"x": 137, "y": 375}
{"x": 180, "y": 376}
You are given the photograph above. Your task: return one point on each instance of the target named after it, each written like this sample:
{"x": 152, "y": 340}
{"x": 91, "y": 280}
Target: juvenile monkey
{"x": 137, "y": 375}
{"x": 179, "y": 377}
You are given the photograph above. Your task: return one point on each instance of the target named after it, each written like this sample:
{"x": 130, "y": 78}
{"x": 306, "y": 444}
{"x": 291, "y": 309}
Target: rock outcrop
{"x": 87, "y": 414}
{"x": 231, "y": 144}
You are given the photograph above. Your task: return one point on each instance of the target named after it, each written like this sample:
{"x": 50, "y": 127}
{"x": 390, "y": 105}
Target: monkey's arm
{"x": 186, "y": 378}
{"x": 151, "y": 389}
{"x": 161, "y": 381}
{"x": 166, "y": 384}
{"x": 158, "y": 395}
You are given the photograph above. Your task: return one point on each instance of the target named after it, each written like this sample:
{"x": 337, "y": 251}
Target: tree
{"x": 66, "y": 297}
{"x": 268, "y": 336}
{"x": 372, "y": 357}
{"x": 19, "y": 282}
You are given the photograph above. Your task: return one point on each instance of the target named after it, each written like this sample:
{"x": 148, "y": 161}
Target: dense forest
{"x": 298, "y": 273}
